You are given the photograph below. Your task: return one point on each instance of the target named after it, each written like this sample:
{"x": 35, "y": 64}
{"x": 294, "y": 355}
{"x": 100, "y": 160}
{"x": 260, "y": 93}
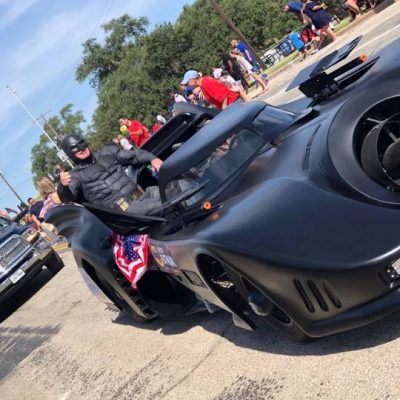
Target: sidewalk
{"x": 369, "y": 25}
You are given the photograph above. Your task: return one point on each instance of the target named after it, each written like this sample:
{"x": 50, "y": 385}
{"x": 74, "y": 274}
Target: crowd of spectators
{"x": 228, "y": 82}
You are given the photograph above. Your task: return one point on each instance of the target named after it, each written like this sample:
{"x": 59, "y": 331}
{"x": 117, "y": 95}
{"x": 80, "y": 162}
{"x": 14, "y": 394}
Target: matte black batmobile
{"x": 298, "y": 206}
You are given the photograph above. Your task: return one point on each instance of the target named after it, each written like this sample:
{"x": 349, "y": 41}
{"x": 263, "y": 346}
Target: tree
{"x": 44, "y": 155}
{"x": 101, "y": 60}
{"x": 134, "y": 71}
{"x": 44, "y": 159}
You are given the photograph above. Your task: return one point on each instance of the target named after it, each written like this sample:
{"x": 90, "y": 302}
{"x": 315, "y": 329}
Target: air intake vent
{"x": 310, "y": 292}
{"x": 307, "y": 302}
{"x": 318, "y": 296}
{"x": 332, "y": 295}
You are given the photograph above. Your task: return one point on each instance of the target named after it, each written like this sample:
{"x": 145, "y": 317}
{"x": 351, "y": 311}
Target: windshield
{"x": 4, "y": 223}
{"x": 221, "y": 164}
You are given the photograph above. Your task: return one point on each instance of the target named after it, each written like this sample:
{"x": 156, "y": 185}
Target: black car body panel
{"x": 301, "y": 219}
{"x": 91, "y": 242}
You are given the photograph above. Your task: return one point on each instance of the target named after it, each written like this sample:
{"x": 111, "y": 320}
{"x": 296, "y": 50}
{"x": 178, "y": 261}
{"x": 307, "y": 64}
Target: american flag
{"x": 130, "y": 254}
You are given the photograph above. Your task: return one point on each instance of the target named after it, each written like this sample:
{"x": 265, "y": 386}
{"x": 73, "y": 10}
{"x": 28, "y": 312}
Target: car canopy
{"x": 266, "y": 120}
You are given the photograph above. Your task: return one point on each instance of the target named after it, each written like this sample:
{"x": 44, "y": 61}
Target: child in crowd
{"x": 297, "y": 43}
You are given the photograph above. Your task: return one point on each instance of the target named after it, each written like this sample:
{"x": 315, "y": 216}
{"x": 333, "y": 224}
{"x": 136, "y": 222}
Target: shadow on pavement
{"x": 269, "y": 340}
{"x": 19, "y": 342}
{"x": 266, "y": 339}
{"x": 24, "y": 294}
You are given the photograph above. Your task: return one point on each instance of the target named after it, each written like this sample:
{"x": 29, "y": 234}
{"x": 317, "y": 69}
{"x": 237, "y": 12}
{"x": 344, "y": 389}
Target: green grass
{"x": 280, "y": 64}
{"x": 342, "y": 24}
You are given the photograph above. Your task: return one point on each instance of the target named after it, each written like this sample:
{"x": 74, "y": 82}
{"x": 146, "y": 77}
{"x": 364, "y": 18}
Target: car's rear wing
{"x": 315, "y": 83}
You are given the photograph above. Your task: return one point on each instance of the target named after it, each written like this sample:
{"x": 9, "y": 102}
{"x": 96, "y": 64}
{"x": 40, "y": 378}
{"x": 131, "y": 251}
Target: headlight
{"x": 30, "y": 235}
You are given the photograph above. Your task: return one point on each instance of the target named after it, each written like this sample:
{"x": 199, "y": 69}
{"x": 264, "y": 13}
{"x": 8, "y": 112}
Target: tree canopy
{"x": 101, "y": 60}
{"x": 44, "y": 154}
{"x": 133, "y": 70}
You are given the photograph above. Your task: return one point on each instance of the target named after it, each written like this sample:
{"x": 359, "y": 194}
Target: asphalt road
{"x": 59, "y": 342}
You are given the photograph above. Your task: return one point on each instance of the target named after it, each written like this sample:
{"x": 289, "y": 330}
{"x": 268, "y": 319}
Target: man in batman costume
{"x": 99, "y": 178}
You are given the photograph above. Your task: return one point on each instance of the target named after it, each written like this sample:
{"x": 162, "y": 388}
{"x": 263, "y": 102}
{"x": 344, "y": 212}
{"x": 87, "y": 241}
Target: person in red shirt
{"x": 215, "y": 92}
{"x": 156, "y": 127}
{"x": 138, "y": 133}
{"x": 159, "y": 122}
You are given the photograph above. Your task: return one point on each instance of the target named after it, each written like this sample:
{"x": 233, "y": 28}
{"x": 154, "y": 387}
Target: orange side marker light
{"x": 207, "y": 205}
{"x": 363, "y": 57}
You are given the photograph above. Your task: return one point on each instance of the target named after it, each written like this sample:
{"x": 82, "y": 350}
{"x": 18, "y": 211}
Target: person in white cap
{"x": 161, "y": 119}
{"x": 224, "y": 77}
{"x": 215, "y": 92}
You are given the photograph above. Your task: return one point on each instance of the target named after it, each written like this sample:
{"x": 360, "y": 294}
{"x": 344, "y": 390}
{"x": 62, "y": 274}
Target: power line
{"x": 235, "y": 29}
{"x": 58, "y": 135}
{"x": 60, "y": 153}
{"x": 10, "y": 187}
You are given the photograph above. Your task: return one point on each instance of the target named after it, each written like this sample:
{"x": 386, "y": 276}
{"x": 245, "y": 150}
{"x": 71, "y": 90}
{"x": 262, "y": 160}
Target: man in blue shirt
{"x": 296, "y": 7}
{"x": 246, "y": 52}
{"x": 35, "y": 207}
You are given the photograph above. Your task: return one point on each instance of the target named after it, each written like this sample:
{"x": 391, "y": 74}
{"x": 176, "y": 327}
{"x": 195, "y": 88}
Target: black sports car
{"x": 290, "y": 213}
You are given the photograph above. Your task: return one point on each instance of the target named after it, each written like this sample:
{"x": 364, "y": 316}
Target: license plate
{"x": 17, "y": 275}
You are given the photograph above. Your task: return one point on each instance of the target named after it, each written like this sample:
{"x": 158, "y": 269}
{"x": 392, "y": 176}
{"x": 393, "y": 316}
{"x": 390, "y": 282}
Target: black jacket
{"x": 104, "y": 181}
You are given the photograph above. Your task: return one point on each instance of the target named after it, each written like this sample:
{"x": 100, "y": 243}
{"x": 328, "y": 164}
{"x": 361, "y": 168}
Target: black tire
{"x": 55, "y": 263}
{"x": 278, "y": 319}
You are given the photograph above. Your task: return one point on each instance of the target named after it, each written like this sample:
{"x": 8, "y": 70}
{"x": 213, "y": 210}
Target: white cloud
{"x": 61, "y": 34}
{"x": 13, "y": 10}
{"x": 50, "y": 52}
{"x": 13, "y": 141}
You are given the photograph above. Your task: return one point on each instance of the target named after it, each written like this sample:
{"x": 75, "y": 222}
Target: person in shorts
{"x": 297, "y": 43}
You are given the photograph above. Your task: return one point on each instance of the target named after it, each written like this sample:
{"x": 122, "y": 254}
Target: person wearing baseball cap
{"x": 215, "y": 92}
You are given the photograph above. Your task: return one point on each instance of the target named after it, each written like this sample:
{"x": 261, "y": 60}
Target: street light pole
{"x": 11, "y": 188}
{"x": 237, "y": 31}
{"x": 60, "y": 152}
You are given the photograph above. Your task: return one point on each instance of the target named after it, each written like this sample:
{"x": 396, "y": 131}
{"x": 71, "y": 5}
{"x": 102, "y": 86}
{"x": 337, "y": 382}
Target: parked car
{"x": 282, "y": 213}
{"x": 23, "y": 254}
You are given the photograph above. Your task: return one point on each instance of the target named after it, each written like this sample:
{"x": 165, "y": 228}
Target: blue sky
{"x": 40, "y": 45}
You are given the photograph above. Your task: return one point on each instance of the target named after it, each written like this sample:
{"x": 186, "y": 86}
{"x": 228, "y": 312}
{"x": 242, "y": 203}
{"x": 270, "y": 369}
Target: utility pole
{"x": 60, "y": 153}
{"x": 10, "y": 187}
{"x": 46, "y": 121}
{"x": 237, "y": 31}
